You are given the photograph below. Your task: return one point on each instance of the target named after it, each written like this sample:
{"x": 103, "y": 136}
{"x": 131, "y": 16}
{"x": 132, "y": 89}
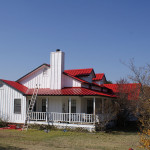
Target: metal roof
{"x": 19, "y": 87}
{"x": 79, "y": 72}
{"x": 74, "y": 91}
{"x": 98, "y": 77}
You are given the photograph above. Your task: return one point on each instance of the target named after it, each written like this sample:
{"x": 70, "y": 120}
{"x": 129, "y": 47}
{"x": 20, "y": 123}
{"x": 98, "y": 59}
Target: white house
{"x": 65, "y": 97}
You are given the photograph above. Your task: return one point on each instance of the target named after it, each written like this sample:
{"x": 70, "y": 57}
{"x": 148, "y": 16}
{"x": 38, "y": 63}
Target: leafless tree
{"x": 106, "y": 111}
{"x": 127, "y": 95}
{"x": 141, "y": 75}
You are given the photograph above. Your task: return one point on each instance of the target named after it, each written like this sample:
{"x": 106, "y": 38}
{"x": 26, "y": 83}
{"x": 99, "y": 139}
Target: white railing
{"x": 38, "y": 116}
{"x": 63, "y": 117}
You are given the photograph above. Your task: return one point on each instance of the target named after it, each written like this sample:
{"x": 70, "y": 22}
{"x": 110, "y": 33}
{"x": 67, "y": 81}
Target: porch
{"x": 78, "y": 110}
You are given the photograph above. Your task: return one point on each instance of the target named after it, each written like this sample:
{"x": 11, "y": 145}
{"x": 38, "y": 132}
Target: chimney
{"x": 56, "y": 69}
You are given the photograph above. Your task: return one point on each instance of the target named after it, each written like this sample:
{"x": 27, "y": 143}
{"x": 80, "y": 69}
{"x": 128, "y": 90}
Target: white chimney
{"x": 56, "y": 69}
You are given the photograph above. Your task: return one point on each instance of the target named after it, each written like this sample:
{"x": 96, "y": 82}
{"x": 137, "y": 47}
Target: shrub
{"x": 3, "y": 123}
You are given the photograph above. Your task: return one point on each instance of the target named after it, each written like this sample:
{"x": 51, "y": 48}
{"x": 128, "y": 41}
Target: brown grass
{"x": 39, "y": 140}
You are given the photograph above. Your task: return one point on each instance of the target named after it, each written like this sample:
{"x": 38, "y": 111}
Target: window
{"x": 43, "y": 105}
{"x": 73, "y": 106}
{"x": 17, "y": 106}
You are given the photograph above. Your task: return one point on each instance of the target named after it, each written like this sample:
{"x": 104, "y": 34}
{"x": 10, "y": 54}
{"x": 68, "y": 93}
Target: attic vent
{"x": 57, "y": 50}
{"x": 45, "y": 71}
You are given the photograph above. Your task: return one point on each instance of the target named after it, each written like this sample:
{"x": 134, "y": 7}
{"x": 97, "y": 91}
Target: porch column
{"x": 102, "y": 109}
{"x": 46, "y": 109}
{"x": 69, "y": 109}
{"x": 94, "y": 108}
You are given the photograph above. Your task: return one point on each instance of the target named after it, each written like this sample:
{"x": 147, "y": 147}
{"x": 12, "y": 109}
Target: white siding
{"x": 55, "y": 104}
{"x": 70, "y": 82}
{"x": 37, "y": 78}
{"x": 7, "y": 96}
{"x": 57, "y": 68}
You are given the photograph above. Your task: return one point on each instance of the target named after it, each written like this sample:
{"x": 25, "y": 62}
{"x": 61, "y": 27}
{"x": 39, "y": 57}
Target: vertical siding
{"x": 7, "y": 96}
{"x": 57, "y": 68}
{"x": 38, "y": 78}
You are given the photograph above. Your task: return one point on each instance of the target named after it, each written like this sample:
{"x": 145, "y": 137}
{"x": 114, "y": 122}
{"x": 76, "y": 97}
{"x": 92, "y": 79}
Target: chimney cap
{"x": 57, "y": 50}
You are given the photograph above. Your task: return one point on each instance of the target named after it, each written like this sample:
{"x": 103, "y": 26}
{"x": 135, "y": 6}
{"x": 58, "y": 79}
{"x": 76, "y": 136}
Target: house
{"x": 71, "y": 98}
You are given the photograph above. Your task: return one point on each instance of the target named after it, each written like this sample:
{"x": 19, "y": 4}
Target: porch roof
{"x": 76, "y": 91}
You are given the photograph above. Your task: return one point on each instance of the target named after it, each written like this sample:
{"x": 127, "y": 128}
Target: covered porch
{"x": 82, "y": 110}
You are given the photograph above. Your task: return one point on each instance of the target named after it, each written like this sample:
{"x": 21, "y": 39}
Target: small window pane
{"x": 17, "y": 106}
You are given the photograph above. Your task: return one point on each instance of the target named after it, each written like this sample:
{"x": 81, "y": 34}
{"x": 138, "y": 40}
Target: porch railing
{"x": 62, "y": 117}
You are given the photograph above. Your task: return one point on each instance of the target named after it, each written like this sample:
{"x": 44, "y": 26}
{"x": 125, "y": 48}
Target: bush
{"x": 42, "y": 127}
{"x": 3, "y": 123}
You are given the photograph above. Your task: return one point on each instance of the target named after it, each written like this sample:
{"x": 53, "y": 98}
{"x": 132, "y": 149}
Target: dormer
{"x": 99, "y": 79}
{"x": 84, "y": 74}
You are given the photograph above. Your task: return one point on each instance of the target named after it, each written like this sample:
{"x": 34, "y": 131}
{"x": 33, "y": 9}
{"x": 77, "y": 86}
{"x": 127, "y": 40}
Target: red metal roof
{"x": 99, "y": 76}
{"x": 132, "y": 89}
{"x": 16, "y": 85}
{"x": 77, "y": 91}
{"x": 79, "y": 72}
{"x": 81, "y": 80}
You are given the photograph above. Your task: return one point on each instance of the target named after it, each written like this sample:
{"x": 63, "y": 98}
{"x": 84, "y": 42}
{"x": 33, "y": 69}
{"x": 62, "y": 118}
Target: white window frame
{"x": 19, "y": 105}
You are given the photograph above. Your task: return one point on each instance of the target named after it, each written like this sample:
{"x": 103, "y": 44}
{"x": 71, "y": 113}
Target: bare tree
{"x": 141, "y": 75}
{"x": 127, "y": 95}
{"x": 106, "y": 112}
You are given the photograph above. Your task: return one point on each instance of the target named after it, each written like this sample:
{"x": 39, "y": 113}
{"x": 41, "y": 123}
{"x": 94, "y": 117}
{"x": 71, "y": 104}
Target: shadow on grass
{"x": 10, "y": 148}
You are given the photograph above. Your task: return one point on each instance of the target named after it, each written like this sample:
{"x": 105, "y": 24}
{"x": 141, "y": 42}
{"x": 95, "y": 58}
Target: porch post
{"x": 46, "y": 109}
{"x": 94, "y": 108}
{"x": 102, "y": 109}
{"x": 69, "y": 109}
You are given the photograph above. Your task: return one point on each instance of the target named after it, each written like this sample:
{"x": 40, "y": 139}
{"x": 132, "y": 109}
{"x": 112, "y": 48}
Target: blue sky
{"x": 92, "y": 33}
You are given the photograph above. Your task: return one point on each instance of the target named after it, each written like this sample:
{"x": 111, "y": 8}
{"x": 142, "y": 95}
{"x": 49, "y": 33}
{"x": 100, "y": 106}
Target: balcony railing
{"x": 62, "y": 117}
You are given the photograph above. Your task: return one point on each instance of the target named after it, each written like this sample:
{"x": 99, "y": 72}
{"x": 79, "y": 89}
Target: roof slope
{"x": 19, "y": 87}
{"x": 77, "y": 91}
{"x": 79, "y": 72}
{"x": 98, "y": 77}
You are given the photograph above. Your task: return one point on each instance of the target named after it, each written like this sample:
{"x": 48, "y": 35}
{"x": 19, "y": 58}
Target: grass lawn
{"x": 39, "y": 140}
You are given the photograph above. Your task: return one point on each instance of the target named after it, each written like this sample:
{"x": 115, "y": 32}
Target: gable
{"x": 39, "y": 76}
{"x": 33, "y": 72}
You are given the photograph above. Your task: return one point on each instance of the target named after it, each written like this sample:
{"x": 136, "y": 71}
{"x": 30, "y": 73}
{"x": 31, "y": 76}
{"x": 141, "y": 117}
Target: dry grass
{"x": 34, "y": 140}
